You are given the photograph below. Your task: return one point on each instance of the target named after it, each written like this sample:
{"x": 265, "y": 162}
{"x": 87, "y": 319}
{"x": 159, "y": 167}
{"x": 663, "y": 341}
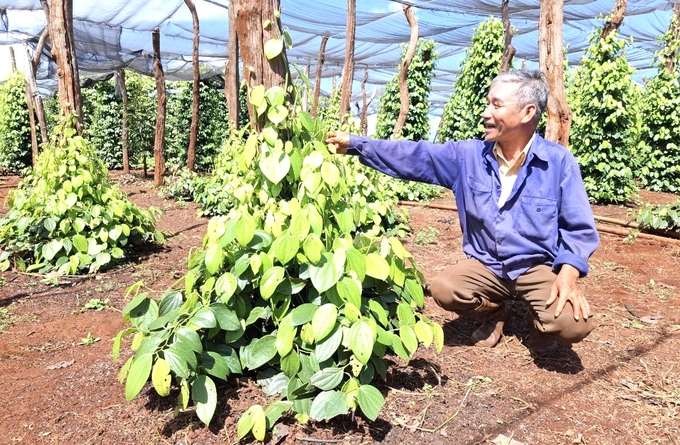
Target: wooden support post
{"x": 509, "y": 50}
{"x": 551, "y": 59}
{"x": 231, "y": 73}
{"x": 193, "y": 134}
{"x": 124, "y": 130}
{"x": 348, "y": 69}
{"x": 317, "y": 79}
{"x": 159, "y": 142}
{"x": 403, "y": 72}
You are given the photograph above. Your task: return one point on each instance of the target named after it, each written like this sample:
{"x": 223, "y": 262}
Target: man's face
{"x": 501, "y": 116}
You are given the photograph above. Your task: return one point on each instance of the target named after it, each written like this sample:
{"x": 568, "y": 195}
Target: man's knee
{"x": 569, "y": 331}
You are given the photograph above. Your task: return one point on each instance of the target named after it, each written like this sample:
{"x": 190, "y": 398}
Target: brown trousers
{"x": 472, "y": 291}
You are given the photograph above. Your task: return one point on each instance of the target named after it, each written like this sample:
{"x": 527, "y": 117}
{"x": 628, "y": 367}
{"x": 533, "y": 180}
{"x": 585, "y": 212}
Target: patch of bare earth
{"x": 619, "y": 386}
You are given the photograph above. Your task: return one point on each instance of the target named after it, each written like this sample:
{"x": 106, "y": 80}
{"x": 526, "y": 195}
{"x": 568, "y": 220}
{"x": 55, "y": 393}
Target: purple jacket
{"x": 547, "y": 218}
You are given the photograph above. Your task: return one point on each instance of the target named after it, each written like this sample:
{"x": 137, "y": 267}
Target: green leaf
{"x": 377, "y": 267}
{"x": 285, "y": 336}
{"x": 330, "y": 174}
{"x": 329, "y": 346}
{"x": 215, "y": 364}
{"x": 286, "y": 246}
{"x": 424, "y": 333}
{"x": 204, "y": 318}
{"x": 245, "y": 229}
{"x": 361, "y": 340}
{"x": 324, "y": 274}
{"x": 253, "y": 420}
{"x": 313, "y": 247}
{"x": 275, "y": 166}
{"x": 327, "y": 378}
{"x": 324, "y": 321}
{"x": 213, "y": 258}
{"x": 370, "y": 401}
{"x": 225, "y": 317}
{"x": 226, "y": 286}
{"x": 405, "y": 315}
{"x": 356, "y": 261}
{"x": 409, "y": 338}
{"x": 415, "y": 289}
{"x": 260, "y": 351}
{"x": 270, "y": 281}
{"x": 349, "y": 290}
{"x": 178, "y": 359}
{"x": 137, "y": 375}
{"x": 80, "y": 243}
{"x": 190, "y": 338}
{"x": 303, "y": 313}
{"x": 204, "y": 395}
{"x": 327, "y": 405}
{"x": 273, "y": 48}
{"x": 277, "y": 114}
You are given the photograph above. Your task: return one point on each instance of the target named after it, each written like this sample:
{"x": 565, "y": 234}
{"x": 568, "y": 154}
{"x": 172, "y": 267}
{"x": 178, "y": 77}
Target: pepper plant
{"x": 605, "y": 132}
{"x": 660, "y": 169}
{"x": 67, "y": 217}
{"x": 419, "y": 81}
{"x": 296, "y": 283}
{"x": 462, "y": 117}
{"x": 15, "y": 134}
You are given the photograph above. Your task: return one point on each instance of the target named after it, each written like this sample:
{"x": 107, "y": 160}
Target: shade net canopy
{"x": 116, "y": 34}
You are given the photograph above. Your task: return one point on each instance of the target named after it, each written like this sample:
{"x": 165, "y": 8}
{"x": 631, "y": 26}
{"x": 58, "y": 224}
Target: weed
{"x": 7, "y": 318}
{"x": 427, "y": 235}
{"x": 89, "y": 340}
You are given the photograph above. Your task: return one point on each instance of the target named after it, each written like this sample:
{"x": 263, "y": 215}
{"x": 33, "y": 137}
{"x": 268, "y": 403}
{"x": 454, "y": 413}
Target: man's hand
{"x": 566, "y": 288}
{"x": 339, "y": 140}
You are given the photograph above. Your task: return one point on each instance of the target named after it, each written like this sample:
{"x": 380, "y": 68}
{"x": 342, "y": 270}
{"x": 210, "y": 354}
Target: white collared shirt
{"x": 508, "y": 171}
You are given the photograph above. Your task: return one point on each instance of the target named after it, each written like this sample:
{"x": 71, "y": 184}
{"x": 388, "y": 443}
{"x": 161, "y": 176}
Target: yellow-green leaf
{"x": 160, "y": 377}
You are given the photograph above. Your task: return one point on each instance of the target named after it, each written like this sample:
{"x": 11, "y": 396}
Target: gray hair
{"x": 533, "y": 89}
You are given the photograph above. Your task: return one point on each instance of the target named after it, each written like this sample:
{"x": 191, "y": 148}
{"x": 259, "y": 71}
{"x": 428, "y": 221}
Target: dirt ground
{"x": 620, "y": 386}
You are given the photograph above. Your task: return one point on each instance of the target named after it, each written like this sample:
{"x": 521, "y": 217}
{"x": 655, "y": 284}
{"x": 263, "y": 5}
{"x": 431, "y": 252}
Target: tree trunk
{"x": 257, "y": 23}
{"x": 348, "y": 69}
{"x": 403, "y": 72}
{"x": 124, "y": 135}
{"x": 61, "y": 34}
{"x": 159, "y": 142}
{"x": 231, "y": 76}
{"x": 193, "y": 135}
{"x": 616, "y": 18}
{"x": 675, "y": 39}
{"x": 509, "y": 51}
{"x": 551, "y": 58}
{"x": 317, "y": 80}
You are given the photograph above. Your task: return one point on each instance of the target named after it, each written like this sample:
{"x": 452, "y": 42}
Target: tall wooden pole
{"x": 616, "y": 18}
{"x": 317, "y": 79}
{"x": 124, "y": 135}
{"x": 403, "y": 72}
{"x": 256, "y": 23}
{"x": 509, "y": 50}
{"x": 159, "y": 142}
{"x": 231, "y": 73}
{"x": 348, "y": 69}
{"x": 193, "y": 134}
{"x": 551, "y": 59}
{"x": 63, "y": 50}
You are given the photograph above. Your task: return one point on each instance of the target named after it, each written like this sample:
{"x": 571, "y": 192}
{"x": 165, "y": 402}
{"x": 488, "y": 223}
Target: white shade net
{"x": 116, "y": 34}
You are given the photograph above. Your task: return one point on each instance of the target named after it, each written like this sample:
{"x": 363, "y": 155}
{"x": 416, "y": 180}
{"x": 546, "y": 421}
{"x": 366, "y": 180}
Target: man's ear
{"x": 529, "y": 113}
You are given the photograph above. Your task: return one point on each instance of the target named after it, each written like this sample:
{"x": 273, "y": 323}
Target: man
{"x": 528, "y": 229}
